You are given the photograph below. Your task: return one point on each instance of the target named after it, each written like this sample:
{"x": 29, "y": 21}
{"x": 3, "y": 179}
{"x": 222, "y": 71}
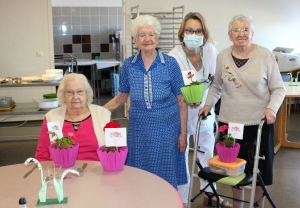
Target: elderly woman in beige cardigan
{"x": 76, "y": 115}
{"x": 252, "y": 89}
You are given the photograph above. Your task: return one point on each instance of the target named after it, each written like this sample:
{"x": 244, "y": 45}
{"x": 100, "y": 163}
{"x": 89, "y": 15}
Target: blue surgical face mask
{"x": 193, "y": 41}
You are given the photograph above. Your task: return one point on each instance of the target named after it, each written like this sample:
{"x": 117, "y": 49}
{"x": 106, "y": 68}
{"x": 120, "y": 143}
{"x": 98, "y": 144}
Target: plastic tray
{"x": 229, "y": 169}
{"x": 8, "y": 108}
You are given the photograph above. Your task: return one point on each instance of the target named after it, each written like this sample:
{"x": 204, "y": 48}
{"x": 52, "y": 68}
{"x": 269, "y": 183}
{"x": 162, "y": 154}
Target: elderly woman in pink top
{"x": 76, "y": 115}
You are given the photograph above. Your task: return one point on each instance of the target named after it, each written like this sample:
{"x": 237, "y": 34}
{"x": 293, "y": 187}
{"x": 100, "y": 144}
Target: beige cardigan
{"x": 100, "y": 117}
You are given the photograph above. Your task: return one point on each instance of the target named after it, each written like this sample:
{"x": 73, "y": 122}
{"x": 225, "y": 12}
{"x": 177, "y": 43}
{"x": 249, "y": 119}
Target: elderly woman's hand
{"x": 195, "y": 105}
{"x": 205, "y": 110}
{"x": 270, "y": 116}
{"x": 182, "y": 143}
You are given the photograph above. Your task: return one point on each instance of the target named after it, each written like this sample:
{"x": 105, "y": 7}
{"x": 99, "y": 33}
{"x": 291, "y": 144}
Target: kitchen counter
{"x": 31, "y": 84}
{"x": 24, "y": 109}
{"x": 101, "y": 64}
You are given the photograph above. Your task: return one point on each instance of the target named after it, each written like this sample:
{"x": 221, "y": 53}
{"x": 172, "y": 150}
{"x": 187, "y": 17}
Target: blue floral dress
{"x": 154, "y": 117}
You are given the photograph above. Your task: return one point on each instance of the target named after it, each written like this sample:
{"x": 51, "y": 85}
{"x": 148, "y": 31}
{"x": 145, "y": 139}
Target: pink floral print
{"x": 231, "y": 77}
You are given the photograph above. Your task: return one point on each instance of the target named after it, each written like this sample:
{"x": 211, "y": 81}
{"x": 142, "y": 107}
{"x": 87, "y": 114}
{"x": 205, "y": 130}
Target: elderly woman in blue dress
{"x": 158, "y": 113}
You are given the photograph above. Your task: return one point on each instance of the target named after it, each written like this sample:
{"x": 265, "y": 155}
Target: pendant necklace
{"x": 76, "y": 124}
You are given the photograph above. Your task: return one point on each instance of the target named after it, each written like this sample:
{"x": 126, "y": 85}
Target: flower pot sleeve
{"x": 193, "y": 93}
{"x": 228, "y": 154}
{"x": 64, "y": 157}
{"x": 112, "y": 161}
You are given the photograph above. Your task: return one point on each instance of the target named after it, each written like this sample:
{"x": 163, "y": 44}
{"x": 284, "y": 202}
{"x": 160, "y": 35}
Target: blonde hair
{"x": 195, "y": 16}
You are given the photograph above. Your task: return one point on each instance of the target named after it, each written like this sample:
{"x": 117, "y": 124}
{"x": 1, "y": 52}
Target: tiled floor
{"x": 285, "y": 190}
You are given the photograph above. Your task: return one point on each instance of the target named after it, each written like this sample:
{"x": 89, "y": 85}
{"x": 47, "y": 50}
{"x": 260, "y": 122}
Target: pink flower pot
{"x": 112, "y": 161}
{"x": 64, "y": 157}
{"x": 228, "y": 154}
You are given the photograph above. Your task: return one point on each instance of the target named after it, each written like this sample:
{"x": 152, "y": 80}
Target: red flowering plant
{"x": 63, "y": 150}
{"x": 62, "y": 143}
{"x": 228, "y": 141}
{"x": 111, "y": 124}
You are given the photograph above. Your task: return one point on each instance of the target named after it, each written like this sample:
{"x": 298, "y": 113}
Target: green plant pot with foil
{"x": 193, "y": 94}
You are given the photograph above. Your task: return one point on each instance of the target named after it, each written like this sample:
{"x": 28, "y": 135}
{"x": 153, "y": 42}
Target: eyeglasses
{"x": 190, "y": 31}
{"x": 246, "y": 30}
{"x": 72, "y": 93}
{"x": 143, "y": 36}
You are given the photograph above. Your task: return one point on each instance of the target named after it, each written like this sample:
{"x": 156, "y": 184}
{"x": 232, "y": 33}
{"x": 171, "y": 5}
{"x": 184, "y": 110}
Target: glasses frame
{"x": 71, "y": 93}
{"x": 190, "y": 31}
{"x": 245, "y": 30}
{"x": 143, "y": 36}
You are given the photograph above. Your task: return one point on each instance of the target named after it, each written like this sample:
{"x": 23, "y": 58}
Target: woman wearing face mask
{"x": 198, "y": 55}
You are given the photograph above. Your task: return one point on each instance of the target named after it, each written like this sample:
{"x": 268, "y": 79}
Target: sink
{"x": 106, "y": 63}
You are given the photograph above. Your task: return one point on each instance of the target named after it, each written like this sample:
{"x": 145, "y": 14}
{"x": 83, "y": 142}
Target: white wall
{"x": 276, "y": 22}
{"x": 26, "y": 27}
{"x": 90, "y": 3}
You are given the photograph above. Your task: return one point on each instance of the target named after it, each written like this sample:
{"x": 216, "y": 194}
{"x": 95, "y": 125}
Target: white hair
{"x": 145, "y": 21}
{"x": 241, "y": 17}
{"x": 73, "y": 77}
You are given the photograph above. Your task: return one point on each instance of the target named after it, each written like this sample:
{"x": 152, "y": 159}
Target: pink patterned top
{"x": 85, "y": 136}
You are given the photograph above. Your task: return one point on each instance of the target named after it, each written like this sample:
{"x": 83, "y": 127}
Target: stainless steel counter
{"x": 96, "y": 65}
{"x": 31, "y": 84}
{"x": 24, "y": 109}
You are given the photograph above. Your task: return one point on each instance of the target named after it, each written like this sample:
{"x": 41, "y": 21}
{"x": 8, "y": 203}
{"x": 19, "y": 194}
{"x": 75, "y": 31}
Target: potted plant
{"x": 63, "y": 150}
{"x": 227, "y": 149}
{"x": 193, "y": 93}
{"x": 112, "y": 158}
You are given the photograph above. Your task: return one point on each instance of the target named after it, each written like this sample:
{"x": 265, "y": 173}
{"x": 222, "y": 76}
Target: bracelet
{"x": 183, "y": 133}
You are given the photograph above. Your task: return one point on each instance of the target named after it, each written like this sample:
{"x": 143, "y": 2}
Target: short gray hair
{"x": 241, "y": 17}
{"x": 145, "y": 21}
{"x": 73, "y": 77}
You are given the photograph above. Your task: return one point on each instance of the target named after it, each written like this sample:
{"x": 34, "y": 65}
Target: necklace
{"x": 77, "y": 123}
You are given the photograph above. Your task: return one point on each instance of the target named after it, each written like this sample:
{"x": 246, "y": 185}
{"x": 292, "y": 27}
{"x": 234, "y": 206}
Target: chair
{"x": 294, "y": 73}
{"x": 249, "y": 180}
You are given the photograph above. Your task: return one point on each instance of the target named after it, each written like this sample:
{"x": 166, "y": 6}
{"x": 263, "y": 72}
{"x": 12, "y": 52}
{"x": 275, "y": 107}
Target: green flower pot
{"x": 193, "y": 93}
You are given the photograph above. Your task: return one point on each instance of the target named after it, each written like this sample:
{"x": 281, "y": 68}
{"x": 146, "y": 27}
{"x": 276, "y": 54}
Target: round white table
{"x": 129, "y": 188}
